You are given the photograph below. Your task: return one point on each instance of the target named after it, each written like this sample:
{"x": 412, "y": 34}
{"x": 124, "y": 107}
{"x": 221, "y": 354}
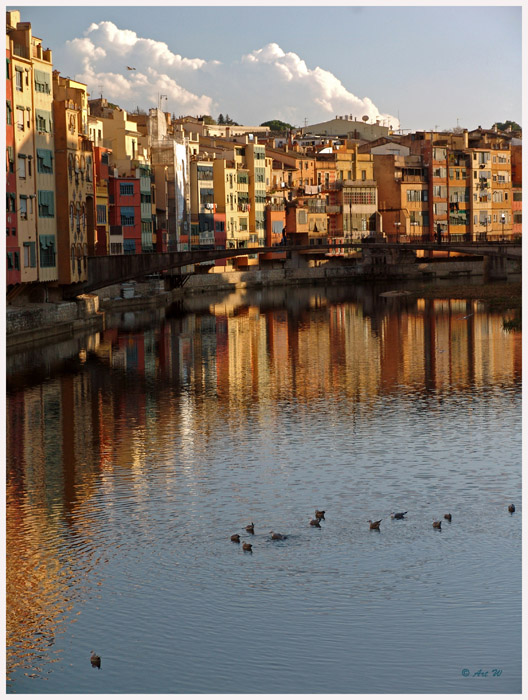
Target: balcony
{"x": 22, "y": 51}
{"x": 333, "y": 208}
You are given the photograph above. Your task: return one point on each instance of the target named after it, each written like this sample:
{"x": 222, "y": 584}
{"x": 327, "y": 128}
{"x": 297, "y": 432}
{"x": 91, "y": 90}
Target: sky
{"x": 413, "y": 67}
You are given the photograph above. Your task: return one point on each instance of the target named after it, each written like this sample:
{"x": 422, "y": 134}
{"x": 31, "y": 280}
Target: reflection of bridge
{"x": 104, "y": 270}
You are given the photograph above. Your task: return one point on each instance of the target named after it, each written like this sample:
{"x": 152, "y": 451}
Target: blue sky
{"x": 431, "y": 66}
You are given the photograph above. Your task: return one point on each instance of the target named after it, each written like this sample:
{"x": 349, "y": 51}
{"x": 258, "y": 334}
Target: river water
{"x": 135, "y": 453}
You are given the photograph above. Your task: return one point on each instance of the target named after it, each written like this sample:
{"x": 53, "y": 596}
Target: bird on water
{"x": 247, "y": 547}
{"x": 95, "y": 659}
{"x": 511, "y": 508}
{"x": 320, "y": 514}
{"x": 315, "y": 522}
{"x": 250, "y": 528}
{"x": 375, "y": 525}
{"x": 277, "y": 535}
{"x": 437, "y": 524}
{"x": 448, "y": 517}
{"x": 235, "y": 538}
{"x": 398, "y": 516}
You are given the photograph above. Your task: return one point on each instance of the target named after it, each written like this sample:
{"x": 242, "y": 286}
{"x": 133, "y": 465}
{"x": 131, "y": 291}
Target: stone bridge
{"x": 105, "y": 270}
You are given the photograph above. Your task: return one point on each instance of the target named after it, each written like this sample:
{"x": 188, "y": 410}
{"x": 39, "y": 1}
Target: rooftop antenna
{"x": 101, "y": 90}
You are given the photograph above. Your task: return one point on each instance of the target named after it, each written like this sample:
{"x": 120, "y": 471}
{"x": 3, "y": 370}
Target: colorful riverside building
{"x": 469, "y": 183}
{"x": 103, "y": 243}
{"x": 124, "y": 199}
{"x": 12, "y": 246}
{"x": 130, "y": 203}
{"x": 74, "y": 177}
{"x": 403, "y": 190}
{"x": 32, "y": 152}
{"x": 516, "y": 173}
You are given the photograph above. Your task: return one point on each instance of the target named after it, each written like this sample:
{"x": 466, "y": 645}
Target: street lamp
{"x": 397, "y": 224}
{"x": 503, "y": 221}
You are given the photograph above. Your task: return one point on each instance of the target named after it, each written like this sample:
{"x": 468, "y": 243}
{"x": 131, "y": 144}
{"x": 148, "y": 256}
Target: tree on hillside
{"x": 220, "y": 119}
{"x": 229, "y": 121}
{"x": 503, "y": 126}
{"x": 277, "y": 125}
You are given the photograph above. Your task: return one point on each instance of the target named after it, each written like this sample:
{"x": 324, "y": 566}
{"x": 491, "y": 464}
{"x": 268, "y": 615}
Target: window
{"x": 219, "y": 226}
{"x": 363, "y": 174}
{"x": 10, "y": 160}
{"x": 43, "y": 121}
{"x": 126, "y": 188}
{"x": 517, "y": 218}
{"x": 23, "y": 207}
{"x": 18, "y": 79}
{"x": 127, "y": 216}
{"x": 47, "y": 251}
{"x": 517, "y": 196}
{"x": 101, "y": 214}
{"x": 89, "y": 169}
{"x": 46, "y": 207}
{"x": 359, "y": 197}
{"x": 419, "y": 218}
{"x": 129, "y": 246}
{"x": 20, "y": 117}
{"x": 10, "y": 202}
{"x": 30, "y": 258}
{"x": 417, "y": 196}
{"x": 9, "y": 113}
{"x": 42, "y": 81}
{"x": 44, "y": 161}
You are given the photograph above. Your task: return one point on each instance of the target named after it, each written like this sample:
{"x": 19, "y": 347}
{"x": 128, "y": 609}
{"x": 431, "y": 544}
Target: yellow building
{"x": 33, "y": 151}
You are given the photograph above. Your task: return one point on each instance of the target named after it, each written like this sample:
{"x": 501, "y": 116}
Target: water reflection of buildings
{"x": 129, "y": 394}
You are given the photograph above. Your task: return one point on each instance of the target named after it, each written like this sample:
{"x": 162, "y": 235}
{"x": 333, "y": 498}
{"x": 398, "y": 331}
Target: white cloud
{"x": 268, "y": 83}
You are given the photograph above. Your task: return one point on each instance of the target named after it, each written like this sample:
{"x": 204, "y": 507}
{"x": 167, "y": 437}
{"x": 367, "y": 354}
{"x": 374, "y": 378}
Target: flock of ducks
{"x": 250, "y": 529}
{"x": 95, "y": 659}
{"x": 320, "y": 515}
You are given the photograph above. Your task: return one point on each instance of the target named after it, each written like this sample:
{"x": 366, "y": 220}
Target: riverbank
{"x": 498, "y": 296}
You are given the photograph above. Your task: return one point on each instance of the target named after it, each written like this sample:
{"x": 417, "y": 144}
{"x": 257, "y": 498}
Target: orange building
{"x": 74, "y": 177}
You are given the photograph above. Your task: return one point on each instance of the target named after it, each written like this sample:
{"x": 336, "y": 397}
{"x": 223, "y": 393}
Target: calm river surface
{"x": 134, "y": 454}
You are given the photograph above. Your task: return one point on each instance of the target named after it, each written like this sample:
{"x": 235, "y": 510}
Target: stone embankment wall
{"x": 39, "y": 322}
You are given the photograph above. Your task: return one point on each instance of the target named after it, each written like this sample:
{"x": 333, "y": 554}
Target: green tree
{"x": 221, "y": 119}
{"x": 277, "y": 125}
{"x": 503, "y": 126}
{"x": 207, "y": 119}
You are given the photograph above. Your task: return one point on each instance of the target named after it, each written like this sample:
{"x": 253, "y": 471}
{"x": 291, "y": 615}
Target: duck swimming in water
{"x": 437, "y": 524}
{"x": 511, "y": 508}
{"x": 398, "y": 516}
{"x": 235, "y": 538}
{"x": 250, "y": 529}
{"x": 247, "y": 547}
{"x": 95, "y": 659}
{"x": 277, "y": 535}
{"x": 315, "y": 522}
{"x": 375, "y": 525}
